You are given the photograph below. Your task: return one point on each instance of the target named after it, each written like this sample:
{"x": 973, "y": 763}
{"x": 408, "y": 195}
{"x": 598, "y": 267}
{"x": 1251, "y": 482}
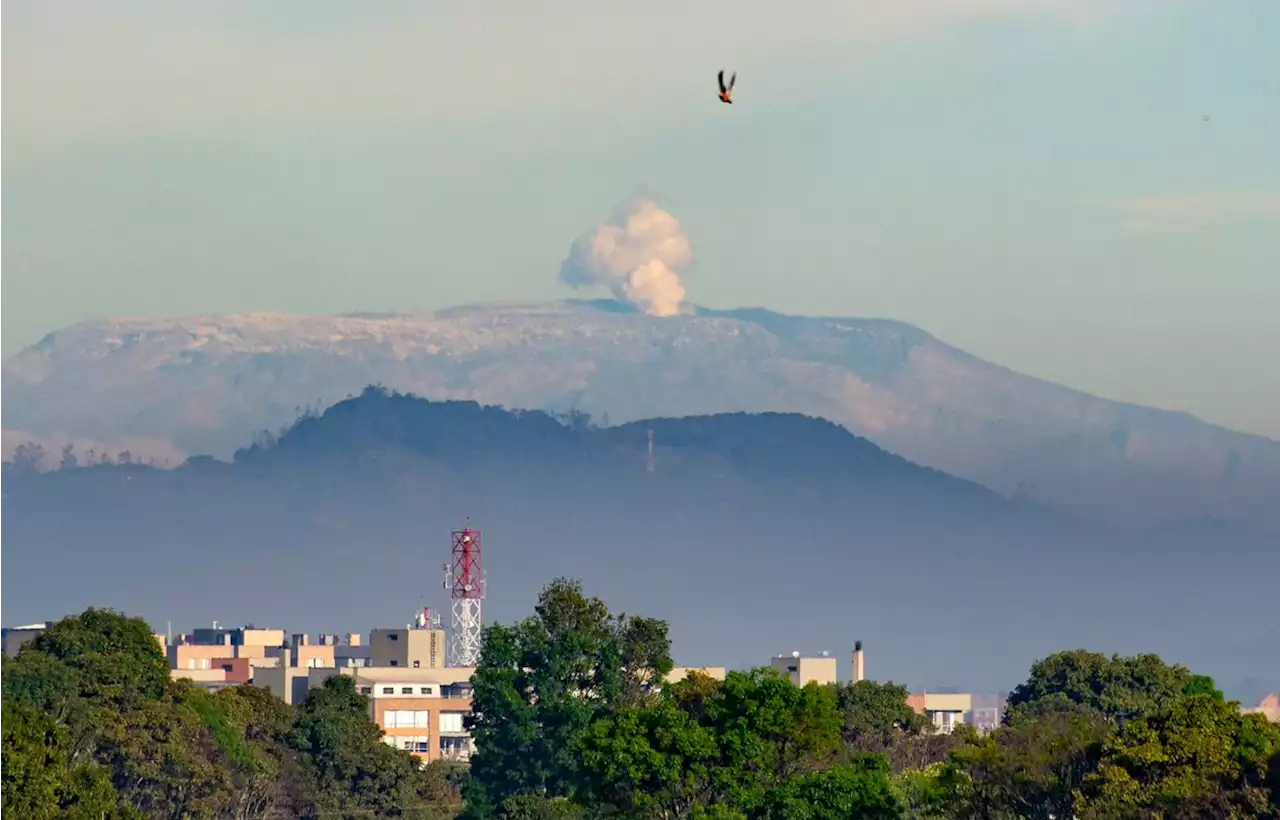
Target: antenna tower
{"x": 465, "y": 581}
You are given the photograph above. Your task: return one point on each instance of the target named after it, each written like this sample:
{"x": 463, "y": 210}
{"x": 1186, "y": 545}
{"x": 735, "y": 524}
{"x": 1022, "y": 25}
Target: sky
{"x": 1081, "y": 190}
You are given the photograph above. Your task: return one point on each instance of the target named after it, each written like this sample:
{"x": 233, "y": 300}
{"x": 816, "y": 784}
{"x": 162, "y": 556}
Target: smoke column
{"x": 635, "y": 255}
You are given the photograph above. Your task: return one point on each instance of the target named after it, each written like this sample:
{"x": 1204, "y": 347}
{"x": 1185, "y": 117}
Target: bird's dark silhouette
{"x": 726, "y": 91}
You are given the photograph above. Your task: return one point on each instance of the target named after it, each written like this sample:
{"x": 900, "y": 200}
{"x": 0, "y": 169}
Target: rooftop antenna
{"x": 465, "y": 582}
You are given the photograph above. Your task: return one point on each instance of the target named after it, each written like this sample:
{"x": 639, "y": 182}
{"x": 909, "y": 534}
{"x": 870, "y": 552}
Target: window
{"x": 393, "y": 636}
{"x": 455, "y": 748}
{"x": 451, "y": 722}
{"x": 416, "y": 664}
{"x": 366, "y": 690}
{"x": 426, "y": 690}
{"x": 406, "y": 718}
{"x": 406, "y": 690}
{"x": 394, "y": 663}
{"x": 388, "y": 690}
{"x": 413, "y": 744}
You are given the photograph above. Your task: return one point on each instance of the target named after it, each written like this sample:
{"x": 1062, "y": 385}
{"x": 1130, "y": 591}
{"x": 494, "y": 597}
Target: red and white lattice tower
{"x": 465, "y": 581}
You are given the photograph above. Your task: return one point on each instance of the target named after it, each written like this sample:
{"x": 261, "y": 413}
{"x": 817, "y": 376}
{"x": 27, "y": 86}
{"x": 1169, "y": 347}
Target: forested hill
{"x": 756, "y": 533}
{"x": 770, "y": 447}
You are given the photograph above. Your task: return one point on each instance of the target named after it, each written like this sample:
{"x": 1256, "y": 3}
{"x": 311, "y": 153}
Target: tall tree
{"x": 1033, "y": 768}
{"x": 114, "y": 657}
{"x": 27, "y": 458}
{"x": 1197, "y": 757}
{"x": 1122, "y": 688}
{"x": 652, "y": 760}
{"x": 876, "y": 714}
{"x": 40, "y": 782}
{"x": 348, "y": 770}
{"x": 701, "y": 748}
{"x": 250, "y": 727}
{"x": 541, "y": 683}
{"x": 861, "y": 791}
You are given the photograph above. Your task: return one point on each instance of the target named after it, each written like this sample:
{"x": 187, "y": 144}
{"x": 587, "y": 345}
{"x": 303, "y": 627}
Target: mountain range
{"x": 175, "y": 387}
{"x": 750, "y": 533}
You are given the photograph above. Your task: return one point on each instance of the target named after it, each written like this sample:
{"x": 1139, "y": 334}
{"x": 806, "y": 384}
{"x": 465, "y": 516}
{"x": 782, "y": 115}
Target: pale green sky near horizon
{"x": 1033, "y": 182}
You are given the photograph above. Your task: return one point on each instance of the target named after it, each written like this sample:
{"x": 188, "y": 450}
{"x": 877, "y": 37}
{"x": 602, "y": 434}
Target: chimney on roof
{"x": 859, "y": 662}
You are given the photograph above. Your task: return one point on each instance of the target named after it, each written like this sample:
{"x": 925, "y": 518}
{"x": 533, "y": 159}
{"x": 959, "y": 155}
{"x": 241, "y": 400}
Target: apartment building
{"x": 419, "y": 709}
{"x": 804, "y": 670}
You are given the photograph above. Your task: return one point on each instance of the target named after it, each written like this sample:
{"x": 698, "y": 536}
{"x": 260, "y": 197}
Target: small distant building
{"x": 947, "y": 710}
{"x": 679, "y": 673}
{"x": 353, "y": 652}
{"x": 412, "y": 648}
{"x": 988, "y": 711}
{"x": 804, "y": 670}
{"x": 16, "y": 637}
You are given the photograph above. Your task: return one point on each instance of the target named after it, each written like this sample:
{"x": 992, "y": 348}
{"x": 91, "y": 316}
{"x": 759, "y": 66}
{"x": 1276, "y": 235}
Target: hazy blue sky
{"x": 1032, "y": 181}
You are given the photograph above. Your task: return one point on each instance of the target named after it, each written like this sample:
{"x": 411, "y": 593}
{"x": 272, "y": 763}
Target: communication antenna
{"x": 464, "y": 579}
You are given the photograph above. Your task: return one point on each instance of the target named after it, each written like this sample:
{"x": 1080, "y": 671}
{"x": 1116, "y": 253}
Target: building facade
{"x": 805, "y": 670}
{"x": 419, "y": 709}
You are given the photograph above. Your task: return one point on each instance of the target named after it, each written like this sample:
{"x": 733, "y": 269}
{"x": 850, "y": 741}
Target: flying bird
{"x": 726, "y": 91}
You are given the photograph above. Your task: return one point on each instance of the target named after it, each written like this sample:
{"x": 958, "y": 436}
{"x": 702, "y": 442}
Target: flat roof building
{"x": 16, "y": 637}
{"x": 804, "y": 670}
{"x": 419, "y": 709}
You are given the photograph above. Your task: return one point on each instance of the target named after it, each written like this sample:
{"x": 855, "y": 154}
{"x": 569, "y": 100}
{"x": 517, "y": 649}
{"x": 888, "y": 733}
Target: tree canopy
{"x": 573, "y": 719}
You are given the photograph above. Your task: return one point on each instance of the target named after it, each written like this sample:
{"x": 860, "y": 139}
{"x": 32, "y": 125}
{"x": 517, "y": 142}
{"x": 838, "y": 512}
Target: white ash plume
{"x": 635, "y": 255}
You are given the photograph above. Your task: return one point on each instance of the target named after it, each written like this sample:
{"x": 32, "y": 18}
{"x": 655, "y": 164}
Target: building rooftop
{"x": 405, "y": 674}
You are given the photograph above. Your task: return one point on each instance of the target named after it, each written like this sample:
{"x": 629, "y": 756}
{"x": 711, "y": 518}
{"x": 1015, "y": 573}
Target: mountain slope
{"x": 753, "y": 534}
{"x": 205, "y": 384}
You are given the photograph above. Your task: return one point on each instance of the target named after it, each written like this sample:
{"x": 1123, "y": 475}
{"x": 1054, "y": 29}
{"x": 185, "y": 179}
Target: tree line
{"x": 572, "y": 720}
{"x": 30, "y": 457}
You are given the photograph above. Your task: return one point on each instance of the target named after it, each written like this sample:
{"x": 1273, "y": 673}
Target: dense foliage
{"x": 568, "y": 725}
{"x": 571, "y": 723}
{"x": 94, "y": 728}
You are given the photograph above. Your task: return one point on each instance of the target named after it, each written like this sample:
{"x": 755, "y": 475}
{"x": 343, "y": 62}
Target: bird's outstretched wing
{"x": 732, "y": 79}
{"x": 720, "y": 79}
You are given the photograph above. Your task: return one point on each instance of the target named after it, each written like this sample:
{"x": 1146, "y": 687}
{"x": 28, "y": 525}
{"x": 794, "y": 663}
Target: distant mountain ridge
{"x": 754, "y": 533}
{"x": 206, "y": 384}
